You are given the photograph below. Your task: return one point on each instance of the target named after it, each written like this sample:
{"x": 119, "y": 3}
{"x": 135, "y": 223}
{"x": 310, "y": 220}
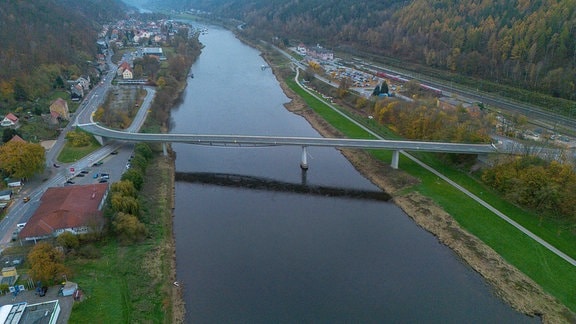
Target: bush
{"x": 89, "y": 252}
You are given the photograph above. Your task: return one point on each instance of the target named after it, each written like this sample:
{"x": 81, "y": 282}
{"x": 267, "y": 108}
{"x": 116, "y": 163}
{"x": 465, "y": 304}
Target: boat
{"x": 191, "y": 75}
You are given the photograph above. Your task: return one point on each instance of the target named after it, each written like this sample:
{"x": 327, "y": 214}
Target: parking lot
{"x": 106, "y": 170}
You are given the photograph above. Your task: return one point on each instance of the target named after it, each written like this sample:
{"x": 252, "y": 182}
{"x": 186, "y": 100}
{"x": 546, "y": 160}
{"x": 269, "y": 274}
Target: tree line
{"x": 530, "y": 44}
{"x": 45, "y": 43}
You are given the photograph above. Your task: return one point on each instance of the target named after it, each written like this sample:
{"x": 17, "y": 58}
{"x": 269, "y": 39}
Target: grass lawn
{"x": 553, "y": 274}
{"x": 70, "y": 153}
{"x": 73, "y": 154}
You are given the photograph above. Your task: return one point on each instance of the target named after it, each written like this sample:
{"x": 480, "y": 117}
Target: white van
{"x": 21, "y": 225}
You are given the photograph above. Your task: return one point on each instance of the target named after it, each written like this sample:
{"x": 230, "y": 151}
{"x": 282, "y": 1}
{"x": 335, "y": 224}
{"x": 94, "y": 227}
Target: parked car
{"x": 26, "y": 199}
{"x": 80, "y": 175}
{"x": 84, "y": 171}
{"x": 99, "y": 163}
{"x": 70, "y": 182}
{"x": 102, "y": 180}
{"x": 114, "y": 152}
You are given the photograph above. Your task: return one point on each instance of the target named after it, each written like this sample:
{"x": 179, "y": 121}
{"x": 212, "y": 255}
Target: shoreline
{"x": 514, "y": 287}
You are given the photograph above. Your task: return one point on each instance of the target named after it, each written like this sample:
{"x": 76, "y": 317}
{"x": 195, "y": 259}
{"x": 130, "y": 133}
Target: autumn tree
{"x": 124, "y": 188}
{"x": 344, "y": 87}
{"x": 128, "y": 228}
{"x": 68, "y": 241}
{"x": 124, "y": 204}
{"x": 22, "y": 159}
{"x": 46, "y": 263}
{"x": 78, "y": 138}
{"x": 135, "y": 176}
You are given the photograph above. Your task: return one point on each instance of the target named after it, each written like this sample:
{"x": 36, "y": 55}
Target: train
{"x": 398, "y": 78}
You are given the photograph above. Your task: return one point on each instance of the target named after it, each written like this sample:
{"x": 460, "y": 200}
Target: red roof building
{"x": 76, "y": 209}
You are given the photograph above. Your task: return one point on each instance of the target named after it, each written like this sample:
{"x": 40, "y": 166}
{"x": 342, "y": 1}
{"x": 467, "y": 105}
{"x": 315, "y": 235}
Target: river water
{"x": 267, "y": 253}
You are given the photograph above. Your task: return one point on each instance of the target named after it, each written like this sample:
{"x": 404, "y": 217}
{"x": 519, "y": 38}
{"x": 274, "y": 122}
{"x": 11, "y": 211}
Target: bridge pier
{"x": 304, "y": 160}
{"x": 395, "y": 158}
{"x": 164, "y": 149}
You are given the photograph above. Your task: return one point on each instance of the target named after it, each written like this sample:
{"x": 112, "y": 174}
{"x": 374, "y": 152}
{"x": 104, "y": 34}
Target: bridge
{"x": 304, "y": 142}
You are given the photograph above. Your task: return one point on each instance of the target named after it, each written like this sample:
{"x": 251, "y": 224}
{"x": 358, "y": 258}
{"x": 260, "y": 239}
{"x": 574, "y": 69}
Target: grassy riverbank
{"x": 487, "y": 243}
{"x": 134, "y": 283}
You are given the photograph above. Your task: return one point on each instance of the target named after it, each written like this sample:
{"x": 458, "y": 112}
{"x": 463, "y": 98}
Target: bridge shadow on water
{"x": 258, "y": 183}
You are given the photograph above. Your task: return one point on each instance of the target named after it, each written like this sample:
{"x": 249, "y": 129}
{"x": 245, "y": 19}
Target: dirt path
{"x": 521, "y": 292}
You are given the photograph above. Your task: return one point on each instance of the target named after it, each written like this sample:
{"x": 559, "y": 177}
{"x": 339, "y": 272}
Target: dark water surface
{"x": 260, "y": 254}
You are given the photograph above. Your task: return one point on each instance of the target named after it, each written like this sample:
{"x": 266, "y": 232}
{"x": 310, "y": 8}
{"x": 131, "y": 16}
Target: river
{"x": 268, "y": 253}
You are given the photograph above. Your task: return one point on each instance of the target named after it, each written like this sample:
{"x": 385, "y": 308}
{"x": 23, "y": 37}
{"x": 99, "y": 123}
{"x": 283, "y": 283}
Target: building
{"x": 153, "y": 51}
{"x": 122, "y": 67}
{"x": 9, "y": 120}
{"x": 127, "y": 74}
{"x": 301, "y": 49}
{"x": 46, "y": 312}
{"x": 76, "y": 209}
{"x": 59, "y": 107}
{"x": 320, "y": 53}
{"x": 6, "y": 195}
{"x": 9, "y": 276}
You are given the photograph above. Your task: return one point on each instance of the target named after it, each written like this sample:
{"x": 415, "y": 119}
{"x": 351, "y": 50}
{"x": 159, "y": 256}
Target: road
{"x": 113, "y": 164}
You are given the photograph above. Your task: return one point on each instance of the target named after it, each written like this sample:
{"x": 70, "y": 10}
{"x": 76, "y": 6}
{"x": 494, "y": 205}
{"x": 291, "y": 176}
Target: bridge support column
{"x": 304, "y": 160}
{"x": 164, "y": 149}
{"x": 395, "y": 158}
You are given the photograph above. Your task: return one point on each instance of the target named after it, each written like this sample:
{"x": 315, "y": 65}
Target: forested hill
{"x": 521, "y": 42}
{"x": 38, "y": 33}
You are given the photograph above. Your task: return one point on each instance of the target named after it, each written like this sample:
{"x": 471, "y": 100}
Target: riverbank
{"x": 518, "y": 290}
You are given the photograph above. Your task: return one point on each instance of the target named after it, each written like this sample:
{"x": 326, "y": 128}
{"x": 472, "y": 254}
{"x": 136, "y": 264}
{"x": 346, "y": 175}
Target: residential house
{"x": 84, "y": 82}
{"x": 127, "y": 74}
{"x": 301, "y": 49}
{"x": 76, "y": 209}
{"x": 320, "y": 53}
{"x": 17, "y": 138}
{"x": 60, "y": 108}
{"x": 76, "y": 92}
{"x": 123, "y": 66}
{"x": 9, "y": 120}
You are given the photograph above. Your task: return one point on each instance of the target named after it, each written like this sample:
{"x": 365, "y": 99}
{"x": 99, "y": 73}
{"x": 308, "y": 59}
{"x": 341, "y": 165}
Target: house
{"x": 123, "y": 66}
{"x": 301, "y": 49}
{"x": 60, "y": 107}
{"x": 84, "y": 81}
{"x": 76, "y": 92}
{"x": 76, "y": 209}
{"x": 9, "y": 120}
{"x": 127, "y": 74}
{"x": 320, "y": 53}
{"x": 5, "y": 195}
{"x": 17, "y": 138}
